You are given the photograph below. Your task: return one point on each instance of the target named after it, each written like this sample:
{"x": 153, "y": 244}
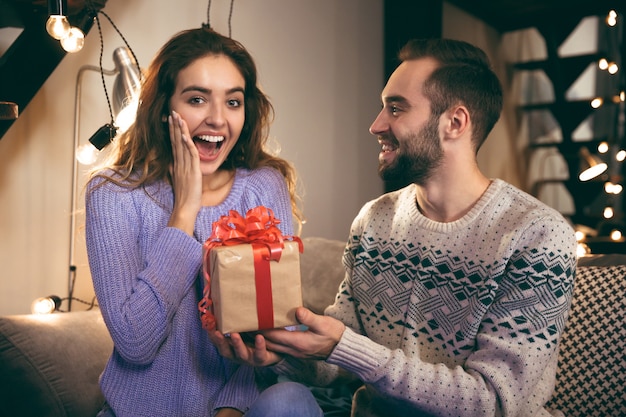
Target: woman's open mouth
{"x": 208, "y": 146}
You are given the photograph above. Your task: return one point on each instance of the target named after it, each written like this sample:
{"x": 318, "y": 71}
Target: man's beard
{"x": 417, "y": 157}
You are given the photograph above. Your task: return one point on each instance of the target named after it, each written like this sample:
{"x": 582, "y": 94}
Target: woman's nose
{"x": 214, "y": 116}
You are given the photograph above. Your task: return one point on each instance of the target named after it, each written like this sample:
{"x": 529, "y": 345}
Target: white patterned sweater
{"x": 453, "y": 319}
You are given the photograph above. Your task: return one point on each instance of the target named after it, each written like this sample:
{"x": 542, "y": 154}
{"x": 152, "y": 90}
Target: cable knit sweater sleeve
{"x": 456, "y": 319}
{"x": 153, "y": 287}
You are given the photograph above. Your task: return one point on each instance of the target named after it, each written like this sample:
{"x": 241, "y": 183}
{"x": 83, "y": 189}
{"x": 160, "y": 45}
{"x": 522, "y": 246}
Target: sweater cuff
{"x": 359, "y": 355}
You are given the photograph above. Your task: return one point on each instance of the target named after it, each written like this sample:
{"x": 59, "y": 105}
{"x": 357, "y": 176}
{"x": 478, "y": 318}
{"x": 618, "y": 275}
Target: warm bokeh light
{"x": 611, "y": 188}
{"x": 603, "y": 147}
{"x": 579, "y": 235}
{"x": 582, "y": 250}
{"x": 86, "y": 154}
{"x": 608, "y": 212}
{"x": 596, "y": 102}
{"x": 611, "y": 18}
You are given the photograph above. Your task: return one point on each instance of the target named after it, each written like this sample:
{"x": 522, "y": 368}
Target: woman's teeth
{"x": 207, "y": 138}
{"x": 215, "y": 141}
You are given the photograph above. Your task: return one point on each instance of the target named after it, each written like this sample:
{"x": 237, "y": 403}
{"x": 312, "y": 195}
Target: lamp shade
{"x": 592, "y": 165}
{"x": 125, "y": 88}
{"x": 128, "y": 80}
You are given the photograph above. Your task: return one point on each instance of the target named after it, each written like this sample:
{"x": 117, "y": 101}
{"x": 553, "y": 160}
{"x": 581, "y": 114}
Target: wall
{"x": 498, "y": 157}
{"x": 320, "y": 62}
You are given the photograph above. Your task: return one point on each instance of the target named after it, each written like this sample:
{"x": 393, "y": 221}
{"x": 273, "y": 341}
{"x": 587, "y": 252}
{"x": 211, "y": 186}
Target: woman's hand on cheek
{"x": 186, "y": 176}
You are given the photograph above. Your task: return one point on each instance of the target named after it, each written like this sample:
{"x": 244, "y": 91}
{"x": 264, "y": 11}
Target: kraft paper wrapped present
{"x": 252, "y": 274}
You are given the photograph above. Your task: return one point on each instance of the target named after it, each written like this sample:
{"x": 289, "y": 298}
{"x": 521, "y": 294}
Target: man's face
{"x": 409, "y": 135}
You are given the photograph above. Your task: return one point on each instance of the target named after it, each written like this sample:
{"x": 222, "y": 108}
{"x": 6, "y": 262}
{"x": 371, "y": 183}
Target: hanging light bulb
{"x": 74, "y": 40}
{"x": 603, "y": 147}
{"x": 57, "y": 24}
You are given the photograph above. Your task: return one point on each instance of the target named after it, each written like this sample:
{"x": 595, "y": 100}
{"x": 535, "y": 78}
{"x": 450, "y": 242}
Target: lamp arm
{"x": 73, "y": 195}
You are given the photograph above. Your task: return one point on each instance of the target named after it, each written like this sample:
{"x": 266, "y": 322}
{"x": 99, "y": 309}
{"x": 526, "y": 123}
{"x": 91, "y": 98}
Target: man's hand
{"x": 317, "y": 342}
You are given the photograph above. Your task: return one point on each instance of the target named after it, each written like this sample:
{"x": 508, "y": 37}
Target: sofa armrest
{"x": 591, "y": 376}
{"x": 50, "y": 364}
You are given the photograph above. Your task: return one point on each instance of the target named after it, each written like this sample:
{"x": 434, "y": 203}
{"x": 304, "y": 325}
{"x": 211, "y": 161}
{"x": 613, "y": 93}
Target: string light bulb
{"x": 612, "y": 188}
{"x": 596, "y": 102}
{"x": 58, "y": 26}
{"x": 74, "y": 41}
{"x": 46, "y": 305}
{"x": 611, "y": 18}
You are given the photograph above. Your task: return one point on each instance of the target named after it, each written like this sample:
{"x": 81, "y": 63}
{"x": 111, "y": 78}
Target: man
{"x": 458, "y": 286}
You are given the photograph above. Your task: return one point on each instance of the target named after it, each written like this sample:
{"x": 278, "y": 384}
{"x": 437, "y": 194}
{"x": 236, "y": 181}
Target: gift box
{"x": 252, "y": 274}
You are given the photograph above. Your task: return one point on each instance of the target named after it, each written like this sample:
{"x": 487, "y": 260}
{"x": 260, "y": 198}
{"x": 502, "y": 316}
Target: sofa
{"x": 49, "y": 365}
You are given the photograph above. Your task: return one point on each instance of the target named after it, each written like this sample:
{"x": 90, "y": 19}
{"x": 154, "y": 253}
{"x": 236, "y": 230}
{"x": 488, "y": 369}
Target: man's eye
{"x": 394, "y": 109}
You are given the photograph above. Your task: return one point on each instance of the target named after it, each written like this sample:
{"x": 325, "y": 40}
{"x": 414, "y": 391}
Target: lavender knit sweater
{"x": 146, "y": 277}
{"x": 453, "y": 319}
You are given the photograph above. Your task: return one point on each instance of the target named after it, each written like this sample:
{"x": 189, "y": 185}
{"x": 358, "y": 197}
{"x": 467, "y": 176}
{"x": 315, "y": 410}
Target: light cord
{"x": 207, "y": 25}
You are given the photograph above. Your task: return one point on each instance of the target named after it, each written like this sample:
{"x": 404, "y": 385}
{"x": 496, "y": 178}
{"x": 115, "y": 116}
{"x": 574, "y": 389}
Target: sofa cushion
{"x": 321, "y": 272}
{"x": 591, "y": 377}
{"x": 46, "y": 359}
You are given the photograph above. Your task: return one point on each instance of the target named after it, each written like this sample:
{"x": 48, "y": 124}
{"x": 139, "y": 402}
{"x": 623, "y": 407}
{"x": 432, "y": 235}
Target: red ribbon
{"x": 258, "y": 228}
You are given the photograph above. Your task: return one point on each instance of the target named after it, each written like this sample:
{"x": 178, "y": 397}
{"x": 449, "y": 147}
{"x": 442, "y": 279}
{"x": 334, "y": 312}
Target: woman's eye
{"x": 196, "y": 100}
{"x": 234, "y": 102}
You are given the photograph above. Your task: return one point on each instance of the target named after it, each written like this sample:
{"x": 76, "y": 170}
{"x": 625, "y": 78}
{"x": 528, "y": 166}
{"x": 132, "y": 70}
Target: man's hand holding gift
{"x": 317, "y": 342}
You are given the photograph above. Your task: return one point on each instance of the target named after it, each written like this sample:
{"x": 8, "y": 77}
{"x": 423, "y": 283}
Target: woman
{"x": 195, "y": 151}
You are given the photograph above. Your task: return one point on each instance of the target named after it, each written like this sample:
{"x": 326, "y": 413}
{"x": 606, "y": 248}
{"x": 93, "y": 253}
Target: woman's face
{"x": 209, "y": 96}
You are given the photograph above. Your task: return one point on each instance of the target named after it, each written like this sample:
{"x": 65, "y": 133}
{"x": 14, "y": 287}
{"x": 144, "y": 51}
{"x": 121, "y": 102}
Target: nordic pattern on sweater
{"x": 146, "y": 277}
{"x": 455, "y": 319}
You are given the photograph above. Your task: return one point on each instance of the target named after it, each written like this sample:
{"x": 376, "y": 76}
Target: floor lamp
{"x": 125, "y": 99}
